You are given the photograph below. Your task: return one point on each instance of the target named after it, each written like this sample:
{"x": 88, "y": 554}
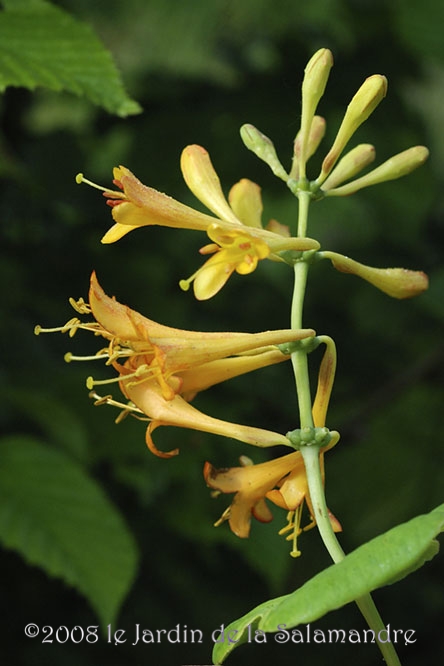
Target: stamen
{"x": 225, "y": 516}
{"x": 128, "y": 408}
{"x": 80, "y": 306}
{"x": 81, "y": 179}
{"x": 71, "y": 357}
{"x": 294, "y": 521}
{"x": 295, "y": 552}
{"x": 141, "y": 370}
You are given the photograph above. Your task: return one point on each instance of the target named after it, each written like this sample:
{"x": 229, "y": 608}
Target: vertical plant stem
{"x": 317, "y": 495}
{"x": 310, "y": 454}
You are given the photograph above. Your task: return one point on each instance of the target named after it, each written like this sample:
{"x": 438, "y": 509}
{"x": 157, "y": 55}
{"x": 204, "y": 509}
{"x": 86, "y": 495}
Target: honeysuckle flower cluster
{"x": 159, "y": 369}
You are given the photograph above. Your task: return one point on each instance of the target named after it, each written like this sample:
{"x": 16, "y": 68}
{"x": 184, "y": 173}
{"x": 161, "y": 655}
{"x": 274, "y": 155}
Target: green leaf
{"x": 59, "y": 519}
{"x": 42, "y": 45}
{"x": 60, "y": 424}
{"x": 382, "y": 561}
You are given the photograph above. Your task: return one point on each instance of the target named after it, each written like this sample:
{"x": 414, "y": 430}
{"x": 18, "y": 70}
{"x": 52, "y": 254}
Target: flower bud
{"x": 316, "y": 76}
{"x": 395, "y": 282}
{"x": 369, "y": 95}
{"x": 315, "y": 136}
{"x": 351, "y": 164}
{"x": 397, "y": 166}
{"x": 263, "y": 147}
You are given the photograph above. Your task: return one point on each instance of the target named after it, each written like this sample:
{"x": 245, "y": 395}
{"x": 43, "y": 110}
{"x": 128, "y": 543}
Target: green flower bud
{"x": 351, "y": 164}
{"x": 315, "y": 136}
{"x": 263, "y": 147}
{"x": 397, "y": 166}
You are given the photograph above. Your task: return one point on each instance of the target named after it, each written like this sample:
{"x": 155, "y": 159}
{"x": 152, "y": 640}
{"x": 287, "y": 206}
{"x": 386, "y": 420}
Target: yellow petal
{"x": 203, "y": 181}
{"x": 246, "y": 202}
{"x": 205, "y": 375}
{"x": 146, "y": 206}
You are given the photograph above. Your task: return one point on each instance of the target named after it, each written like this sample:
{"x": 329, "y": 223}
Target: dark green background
{"x": 201, "y": 69}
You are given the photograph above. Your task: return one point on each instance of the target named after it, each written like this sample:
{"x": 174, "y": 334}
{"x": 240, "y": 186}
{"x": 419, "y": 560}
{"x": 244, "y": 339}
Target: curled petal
{"x": 148, "y": 397}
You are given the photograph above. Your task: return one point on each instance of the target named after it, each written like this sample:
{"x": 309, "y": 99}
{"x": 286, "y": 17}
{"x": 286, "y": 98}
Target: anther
{"x": 80, "y": 306}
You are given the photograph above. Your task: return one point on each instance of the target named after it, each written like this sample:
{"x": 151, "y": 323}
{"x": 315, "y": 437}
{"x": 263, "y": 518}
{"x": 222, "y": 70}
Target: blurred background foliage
{"x": 200, "y": 69}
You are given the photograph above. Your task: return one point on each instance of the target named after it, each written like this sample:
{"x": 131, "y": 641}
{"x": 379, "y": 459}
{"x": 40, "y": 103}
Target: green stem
{"x": 311, "y": 453}
{"x": 365, "y": 603}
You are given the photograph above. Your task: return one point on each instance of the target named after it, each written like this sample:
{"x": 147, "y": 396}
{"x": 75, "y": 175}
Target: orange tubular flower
{"x": 160, "y": 368}
{"x": 282, "y": 481}
{"x": 239, "y": 240}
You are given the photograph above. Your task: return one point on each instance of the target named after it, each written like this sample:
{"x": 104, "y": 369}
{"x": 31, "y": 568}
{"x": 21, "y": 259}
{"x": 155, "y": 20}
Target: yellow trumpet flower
{"x": 235, "y": 227}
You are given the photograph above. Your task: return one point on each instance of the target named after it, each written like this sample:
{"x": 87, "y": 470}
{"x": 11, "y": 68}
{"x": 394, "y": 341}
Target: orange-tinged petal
{"x": 148, "y": 397}
{"x": 205, "y": 375}
{"x": 181, "y": 349}
{"x": 250, "y": 483}
{"x": 325, "y": 382}
{"x": 144, "y": 206}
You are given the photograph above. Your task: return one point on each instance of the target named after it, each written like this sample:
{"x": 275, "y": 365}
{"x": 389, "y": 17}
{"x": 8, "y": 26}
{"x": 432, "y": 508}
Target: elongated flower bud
{"x": 316, "y": 76}
{"x": 263, "y": 147}
{"x": 397, "y": 166}
{"x": 315, "y": 136}
{"x": 369, "y": 95}
{"x": 351, "y": 164}
{"x": 395, "y": 282}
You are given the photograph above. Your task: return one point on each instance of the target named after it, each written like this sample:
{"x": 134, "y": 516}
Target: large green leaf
{"x": 382, "y": 561}
{"x": 42, "y": 45}
{"x": 59, "y": 519}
